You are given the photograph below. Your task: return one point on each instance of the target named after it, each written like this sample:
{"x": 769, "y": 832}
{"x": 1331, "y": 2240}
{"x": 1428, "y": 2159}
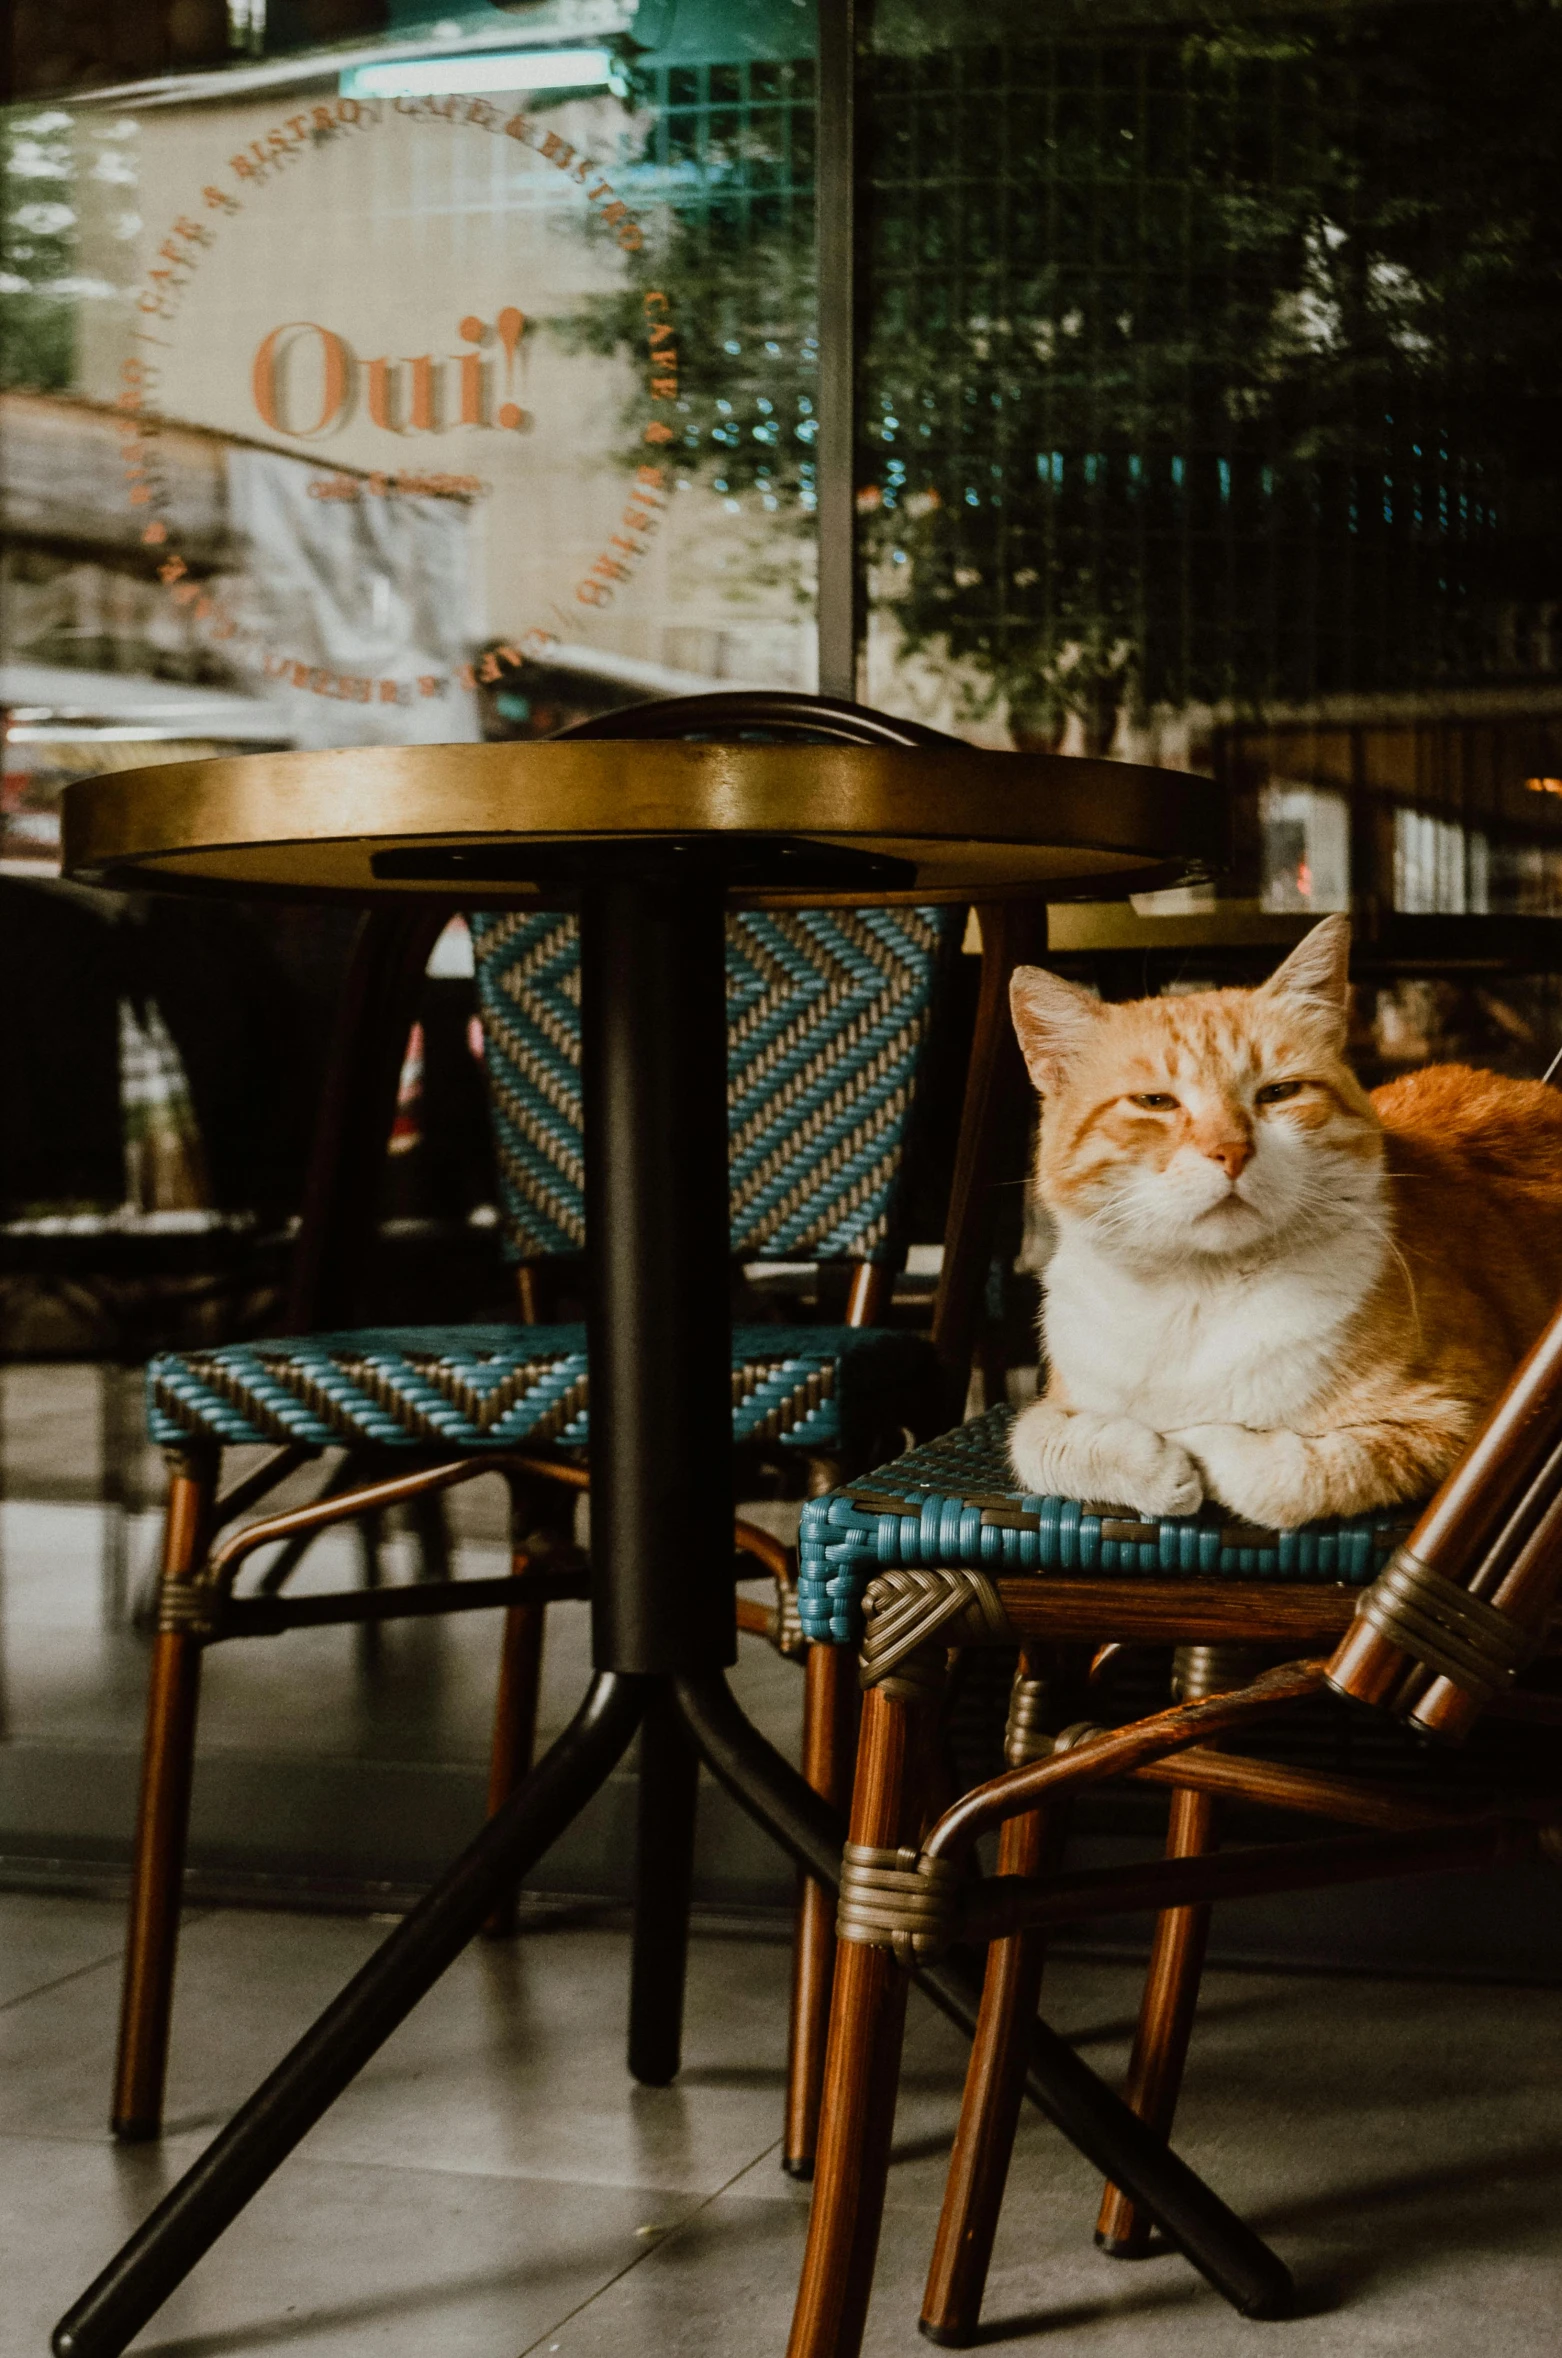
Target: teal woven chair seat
{"x": 954, "y": 1504}
{"x": 820, "y": 1389}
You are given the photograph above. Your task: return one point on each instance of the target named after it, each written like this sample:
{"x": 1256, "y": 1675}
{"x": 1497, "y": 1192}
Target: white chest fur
{"x": 1205, "y": 1342}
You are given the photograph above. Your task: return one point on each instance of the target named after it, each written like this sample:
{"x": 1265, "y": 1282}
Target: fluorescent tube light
{"x": 507, "y": 69}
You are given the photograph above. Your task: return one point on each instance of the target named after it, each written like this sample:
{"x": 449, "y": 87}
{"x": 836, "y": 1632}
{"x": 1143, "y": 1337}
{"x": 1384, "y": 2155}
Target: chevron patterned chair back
{"x": 828, "y": 1014}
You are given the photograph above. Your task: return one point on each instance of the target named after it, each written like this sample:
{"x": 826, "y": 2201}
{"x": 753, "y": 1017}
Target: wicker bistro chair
{"x": 830, "y": 1016}
{"x": 1432, "y": 1624}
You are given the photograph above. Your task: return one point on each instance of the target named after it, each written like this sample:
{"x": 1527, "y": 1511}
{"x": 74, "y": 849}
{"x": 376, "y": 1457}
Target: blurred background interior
{"x": 1207, "y": 413}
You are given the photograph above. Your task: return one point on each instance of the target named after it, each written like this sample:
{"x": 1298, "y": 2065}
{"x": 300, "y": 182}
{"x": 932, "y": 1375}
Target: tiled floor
{"x": 494, "y": 2185}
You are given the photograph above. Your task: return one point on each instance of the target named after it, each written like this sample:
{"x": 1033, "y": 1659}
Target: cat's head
{"x": 1223, "y": 1124}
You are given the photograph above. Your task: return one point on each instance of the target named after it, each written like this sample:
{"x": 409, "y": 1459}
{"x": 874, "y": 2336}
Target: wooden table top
{"x": 520, "y": 823}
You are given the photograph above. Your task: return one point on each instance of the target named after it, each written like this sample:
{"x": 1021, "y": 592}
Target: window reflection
{"x": 453, "y": 386}
{"x": 1440, "y": 868}
{"x": 1306, "y": 850}
{"x": 1209, "y": 416}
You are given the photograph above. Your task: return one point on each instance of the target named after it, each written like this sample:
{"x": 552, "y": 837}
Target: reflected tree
{"x": 1210, "y": 356}
{"x": 1218, "y": 361}
{"x": 37, "y": 250}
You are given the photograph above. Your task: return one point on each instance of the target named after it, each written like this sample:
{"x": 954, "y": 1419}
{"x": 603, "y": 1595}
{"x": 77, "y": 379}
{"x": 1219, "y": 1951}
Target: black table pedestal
{"x": 654, "y": 1050}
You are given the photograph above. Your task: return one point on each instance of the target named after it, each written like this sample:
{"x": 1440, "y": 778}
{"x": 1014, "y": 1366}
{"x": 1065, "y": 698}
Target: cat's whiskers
{"x": 1316, "y": 1211}
{"x": 1408, "y": 1274}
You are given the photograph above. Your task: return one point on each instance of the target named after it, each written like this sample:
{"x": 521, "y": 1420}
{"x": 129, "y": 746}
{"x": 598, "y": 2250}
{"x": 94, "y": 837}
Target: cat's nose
{"x": 1232, "y": 1154}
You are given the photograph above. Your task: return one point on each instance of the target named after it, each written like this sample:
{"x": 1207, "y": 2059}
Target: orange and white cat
{"x": 1270, "y": 1289}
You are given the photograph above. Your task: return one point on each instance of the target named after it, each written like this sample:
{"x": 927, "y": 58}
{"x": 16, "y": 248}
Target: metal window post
{"x": 837, "y": 266}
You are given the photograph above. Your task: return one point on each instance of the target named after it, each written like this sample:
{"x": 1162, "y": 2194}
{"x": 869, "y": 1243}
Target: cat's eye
{"x": 1276, "y": 1092}
{"x": 1155, "y": 1101}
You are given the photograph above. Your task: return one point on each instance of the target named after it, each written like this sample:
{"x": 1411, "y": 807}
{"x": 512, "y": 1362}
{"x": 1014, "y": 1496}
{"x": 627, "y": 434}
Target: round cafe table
{"x": 650, "y": 841}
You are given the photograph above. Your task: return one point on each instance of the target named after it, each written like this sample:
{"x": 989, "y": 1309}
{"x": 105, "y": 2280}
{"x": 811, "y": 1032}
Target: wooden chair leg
{"x": 369, "y": 1531}
{"x": 1171, "y": 1996}
{"x": 829, "y": 1728}
{"x": 515, "y": 1729}
{"x": 990, "y": 2107}
{"x": 995, "y": 2077}
{"x": 1171, "y": 1990}
{"x": 515, "y": 1707}
{"x": 157, "y": 1876}
{"x": 862, "y": 2060}
{"x": 432, "y": 1532}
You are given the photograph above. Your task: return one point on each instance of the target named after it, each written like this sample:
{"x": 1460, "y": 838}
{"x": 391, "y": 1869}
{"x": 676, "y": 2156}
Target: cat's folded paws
{"x": 1062, "y": 1455}
{"x": 1267, "y": 1478}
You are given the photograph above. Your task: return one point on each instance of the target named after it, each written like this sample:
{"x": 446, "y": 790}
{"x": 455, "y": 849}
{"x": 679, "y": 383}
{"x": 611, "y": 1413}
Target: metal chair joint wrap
{"x": 1201, "y": 1671}
{"x": 906, "y": 1611}
{"x": 1025, "y": 1737}
{"x": 189, "y": 1608}
{"x": 787, "y": 1634}
{"x": 899, "y": 1900}
{"x": 1458, "y": 1636}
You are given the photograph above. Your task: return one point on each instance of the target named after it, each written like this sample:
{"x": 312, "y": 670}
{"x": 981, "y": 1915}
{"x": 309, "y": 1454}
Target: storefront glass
{"x": 444, "y": 385}
{"x": 378, "y": 372}
{"x": 454, "y": 380}
{"x": 1208, "y": 414}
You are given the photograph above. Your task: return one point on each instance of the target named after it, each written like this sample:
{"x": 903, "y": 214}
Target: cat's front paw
{"x": 1267, "y": 1478}
{"x": 1148, "y": 1472}
{"x": 1061, "y": 1454}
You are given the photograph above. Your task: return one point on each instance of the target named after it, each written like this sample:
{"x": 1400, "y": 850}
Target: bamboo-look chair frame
{"x": 1441, "y": 1635}
{"x": 197, "y": 1606}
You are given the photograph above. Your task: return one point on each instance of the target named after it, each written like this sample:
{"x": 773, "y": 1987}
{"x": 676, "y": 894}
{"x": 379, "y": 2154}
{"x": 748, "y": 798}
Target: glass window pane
{"x": 1222, "y": 349}
{"x": 385, "y": 397}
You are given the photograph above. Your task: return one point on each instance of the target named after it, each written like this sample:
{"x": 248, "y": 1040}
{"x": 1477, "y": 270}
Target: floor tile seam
{"x": 653, "y": 2244}
{"x": 61, "y": 1980}
{"x": 193, "y": 1919}
{"x": 84, "y": 2140}
{"x": 439, "y": 2169}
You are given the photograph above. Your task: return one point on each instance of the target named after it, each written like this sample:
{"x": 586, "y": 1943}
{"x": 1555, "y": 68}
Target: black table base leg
{"x": 191, "y": 2216}
{"x": 1224, "y": 2249}
{"x": 756, "y": 1775}
{"x": 664, "y": 1881}
{"x": 260, "y": 2136}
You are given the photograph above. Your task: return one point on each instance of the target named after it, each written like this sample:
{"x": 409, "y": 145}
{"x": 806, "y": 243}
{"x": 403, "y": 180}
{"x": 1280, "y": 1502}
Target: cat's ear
{"x": 1317, "y": 971}
{"x": 1053, "y": 1019}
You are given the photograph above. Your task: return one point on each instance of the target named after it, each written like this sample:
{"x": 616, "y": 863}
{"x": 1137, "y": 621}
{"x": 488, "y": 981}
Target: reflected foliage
{"x": 725, "y": 178}
{"x": 1216, "y": 363}
{"x": 37, "y": 250}
{"x": 1203, "y": 360}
